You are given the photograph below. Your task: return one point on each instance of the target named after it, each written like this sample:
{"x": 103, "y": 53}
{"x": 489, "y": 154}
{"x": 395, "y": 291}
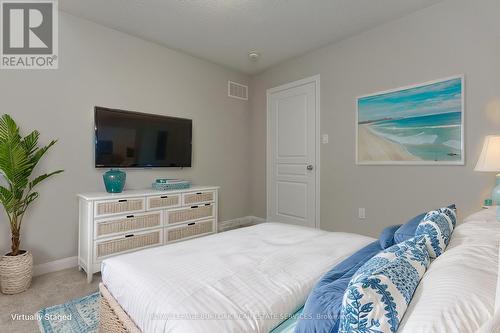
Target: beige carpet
{"x": 46, "y": 290}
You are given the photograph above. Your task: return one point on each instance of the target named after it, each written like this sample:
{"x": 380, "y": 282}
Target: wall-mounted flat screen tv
{"x": 128, "y": 139}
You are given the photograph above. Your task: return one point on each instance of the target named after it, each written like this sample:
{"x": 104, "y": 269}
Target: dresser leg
{"x": 89, "y": 277}
{"x": 80, "y": 268}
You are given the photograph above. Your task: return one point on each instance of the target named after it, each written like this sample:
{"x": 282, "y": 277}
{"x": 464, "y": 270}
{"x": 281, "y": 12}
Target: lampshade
{"x": 489, "y": 160}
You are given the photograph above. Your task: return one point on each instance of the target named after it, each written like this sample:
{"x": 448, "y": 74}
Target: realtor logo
{"x": 29, "y": 34}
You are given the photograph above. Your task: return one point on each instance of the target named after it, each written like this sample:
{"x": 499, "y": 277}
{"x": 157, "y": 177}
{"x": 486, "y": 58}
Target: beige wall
{"x": 100, "y": 66}
{"x": 454, "y": 37}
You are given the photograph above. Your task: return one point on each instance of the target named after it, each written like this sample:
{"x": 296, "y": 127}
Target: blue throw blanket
{"x": 322, "y": 309}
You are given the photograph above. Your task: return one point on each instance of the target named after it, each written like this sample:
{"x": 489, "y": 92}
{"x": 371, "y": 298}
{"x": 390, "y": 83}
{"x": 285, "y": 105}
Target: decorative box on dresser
{"x": 112, "y": 224}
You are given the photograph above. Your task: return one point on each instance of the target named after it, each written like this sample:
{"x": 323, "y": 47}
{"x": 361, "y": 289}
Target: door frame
{"x": 312, "y": 79}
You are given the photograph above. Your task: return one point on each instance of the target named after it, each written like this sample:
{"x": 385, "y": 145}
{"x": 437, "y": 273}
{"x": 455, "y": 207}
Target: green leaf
{"x": 15, "y": 164}
{"x": 6, "y": 198}
{"x": 41, "y": 178}
{"x": 9, "y": 131}
{"x": 38, "y": 154}
{"x": 30, "y": 142}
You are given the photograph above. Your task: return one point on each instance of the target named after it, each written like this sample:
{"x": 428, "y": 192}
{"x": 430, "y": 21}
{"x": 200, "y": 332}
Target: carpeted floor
{"x": 46, "y": 290}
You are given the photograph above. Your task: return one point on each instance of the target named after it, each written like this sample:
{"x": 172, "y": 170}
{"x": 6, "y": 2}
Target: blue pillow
{"x": 407, "y": 230}
{"x": 387, "y": 236}
{"x": 322, "y": 309}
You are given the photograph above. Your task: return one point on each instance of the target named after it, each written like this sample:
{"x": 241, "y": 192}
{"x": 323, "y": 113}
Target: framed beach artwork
{"x": 419, "y": 124}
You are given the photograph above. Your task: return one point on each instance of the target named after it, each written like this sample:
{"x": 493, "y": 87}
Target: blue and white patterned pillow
{"x": 436, "y": 227}
{"x": 413, "y": 248}
{"x": 379, "y": 293}
{"x": 450, "y": 215}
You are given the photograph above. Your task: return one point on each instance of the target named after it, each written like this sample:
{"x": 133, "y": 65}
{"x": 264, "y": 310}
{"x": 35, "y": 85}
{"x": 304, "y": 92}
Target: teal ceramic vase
{"x": 114, "y": 180}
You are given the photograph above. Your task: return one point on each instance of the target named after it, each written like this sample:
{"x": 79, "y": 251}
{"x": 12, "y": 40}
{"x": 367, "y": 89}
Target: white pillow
{"x": 457, "y": 293}
{"x": 493, "y": 325}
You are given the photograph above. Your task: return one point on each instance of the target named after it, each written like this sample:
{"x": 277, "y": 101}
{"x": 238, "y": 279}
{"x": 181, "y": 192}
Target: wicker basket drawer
{"x": 163, "y": 201}
{"x": 198, "y": 197}
{"x": 127, "y": 223}
{"x": 128, "y": 243}
{"x": 192, "y": 229}
{"x": 190, "y": 213}
{"x": 119, "y": 206}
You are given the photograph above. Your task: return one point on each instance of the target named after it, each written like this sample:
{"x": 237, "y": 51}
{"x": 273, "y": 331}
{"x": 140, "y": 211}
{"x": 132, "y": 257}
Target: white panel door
{"x": 292, "y": 187}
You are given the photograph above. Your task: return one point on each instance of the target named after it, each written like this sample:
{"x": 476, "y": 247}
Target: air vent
{"x": 237, "y": 90}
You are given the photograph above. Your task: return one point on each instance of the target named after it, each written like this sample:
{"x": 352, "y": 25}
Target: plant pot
{"x": 16, "y": 273}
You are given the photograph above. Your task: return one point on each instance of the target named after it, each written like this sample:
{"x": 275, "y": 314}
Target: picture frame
{"x": 419, "y": 124}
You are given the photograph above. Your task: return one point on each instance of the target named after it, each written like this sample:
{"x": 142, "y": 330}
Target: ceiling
{"x": 225, "y": 31}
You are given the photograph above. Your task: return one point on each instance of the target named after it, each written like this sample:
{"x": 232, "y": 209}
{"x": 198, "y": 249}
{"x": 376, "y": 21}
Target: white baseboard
{"x": 54, "y": 266}
{"x": 238, "y": 222}
{"x": 257, "y": 219}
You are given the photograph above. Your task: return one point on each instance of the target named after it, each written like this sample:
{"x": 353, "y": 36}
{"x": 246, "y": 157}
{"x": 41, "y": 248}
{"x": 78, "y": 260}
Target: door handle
{"x": 310, "y": 167}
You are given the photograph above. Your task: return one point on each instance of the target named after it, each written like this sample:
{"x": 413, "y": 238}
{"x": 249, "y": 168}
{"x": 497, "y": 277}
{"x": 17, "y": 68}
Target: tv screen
{"x": 138, "y": 140}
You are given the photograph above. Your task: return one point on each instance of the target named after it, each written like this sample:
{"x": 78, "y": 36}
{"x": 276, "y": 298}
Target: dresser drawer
{"x": 128, "y": 223}
{"x": 118, "y": 206}
{"x": 193, "y": 229}
{"x": 163, "y": 201}
{"x": 189, "y": 213}
{"x": 127, "y": 243}
{"x": 198, "y": 197}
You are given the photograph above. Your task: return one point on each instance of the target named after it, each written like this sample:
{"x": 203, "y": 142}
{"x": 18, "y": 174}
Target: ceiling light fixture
{"x": 254, "y": 56}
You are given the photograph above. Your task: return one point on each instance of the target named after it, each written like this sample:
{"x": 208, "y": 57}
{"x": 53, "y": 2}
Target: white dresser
{"x": 112, "y": 224}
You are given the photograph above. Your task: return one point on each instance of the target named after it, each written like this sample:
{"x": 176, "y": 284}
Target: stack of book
{"x": 166, "y": 184}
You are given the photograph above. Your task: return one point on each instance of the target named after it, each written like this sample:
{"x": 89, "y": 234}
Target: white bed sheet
{"x": 457, "y": 293}
{"x": 245, "y": 280}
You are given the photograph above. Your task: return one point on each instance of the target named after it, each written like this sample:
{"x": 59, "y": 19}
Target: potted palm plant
{"x": 18, "y": 158}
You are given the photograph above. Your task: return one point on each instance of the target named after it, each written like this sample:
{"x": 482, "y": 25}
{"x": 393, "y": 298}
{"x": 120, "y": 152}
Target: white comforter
{"x": 244, "y": 280}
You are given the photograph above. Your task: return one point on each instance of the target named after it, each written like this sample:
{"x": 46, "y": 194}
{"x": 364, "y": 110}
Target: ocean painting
{"x": 422, "y": 124}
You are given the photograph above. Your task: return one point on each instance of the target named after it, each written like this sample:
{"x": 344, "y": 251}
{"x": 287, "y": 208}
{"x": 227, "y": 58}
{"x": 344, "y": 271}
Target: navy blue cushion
{"x": 386, "y": 238}
{"x": 322, "y": 309}
{"x": 407, "y": 230}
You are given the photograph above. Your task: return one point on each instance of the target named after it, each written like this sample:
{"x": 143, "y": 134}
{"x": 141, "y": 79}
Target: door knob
{"x": 310, "y": 167}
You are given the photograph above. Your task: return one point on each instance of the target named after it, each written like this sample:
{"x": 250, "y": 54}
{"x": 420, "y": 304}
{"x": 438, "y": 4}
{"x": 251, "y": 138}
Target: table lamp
{"x": 489, "y": 161}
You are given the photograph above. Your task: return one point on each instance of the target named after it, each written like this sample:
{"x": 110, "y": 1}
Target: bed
{"x": 244, "y": 280}
{"x": 259, "y": 277}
